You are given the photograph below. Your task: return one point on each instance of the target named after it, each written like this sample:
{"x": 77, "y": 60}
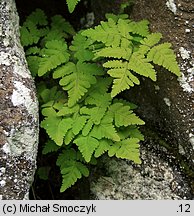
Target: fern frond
{"x": 164, "y": 56}
{"x": 109, "y": 33}
{"x": 69, "y": 137}
{"x": 116, "y": 17}
{"x": 56, "y": 128}
{"x": 72, "y": 4}
{"x": 50, "y": 146}
{"x": 71, "y": 169}
{"x": 104, "y": 146}
{"x": 54, "y": 54}
{"x": 151, "y": 39}
{"x": 80, "y": 47}
{"x": 126, "y": 149}
{"x": 123, "y": 116}
{"x": 29, "y": 34}
{"x": 101, "y": 87}
{"x": 67, "y": 111}
{"x": 48, "y": 111}
{"x": 33, "y": 64}
{"x": 79, "y": 122}
{"x": 87, "y": 146}
{"x": 105, "y": 129}
{"x": 114, "y": 52}
{"x": 79, "y": 81}
{"x": 139, "y": 64}
{"x": 121, "y": 71}
{"x": 54, "y": 35}
{"x": 60, "y": 24}
{"x": 148, "y": 42}
{"x": 38, "y": 17}
{"x": 87, "y": 128}
{"x": 71, "y": 173}
{"x": 140, "y": 28}
{"x": 123, "y": 79}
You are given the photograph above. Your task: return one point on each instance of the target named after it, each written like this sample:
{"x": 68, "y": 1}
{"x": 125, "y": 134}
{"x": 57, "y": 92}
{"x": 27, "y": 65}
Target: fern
{"x": 80, "y": 76}
{"x": 130, "y": 50}
{"x": 71, "y": 168}
{"x": 50, "y": 146}
{"x": 128, "y": 149}
{"x": 52, "y": 55}
{"x": 71, "y": 4}
{"x": 78, "y": 80}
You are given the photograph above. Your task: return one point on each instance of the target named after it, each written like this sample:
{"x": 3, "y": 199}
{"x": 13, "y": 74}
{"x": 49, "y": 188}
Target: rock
{"x": 167, "y": 106}
{"x": 18, "y": 110}
{"x": 154, "y": 179}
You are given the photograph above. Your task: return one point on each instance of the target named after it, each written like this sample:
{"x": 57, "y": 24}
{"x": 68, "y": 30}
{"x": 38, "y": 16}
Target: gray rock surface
{"x": 154, "y": 179}
{"x": 18, "y": 110}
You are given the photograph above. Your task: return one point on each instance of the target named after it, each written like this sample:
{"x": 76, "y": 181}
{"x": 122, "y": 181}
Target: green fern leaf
{"x": 116, "y": 17}
{"x": 96, "y": 113}
{"x": 33, "y": 64}
{"x": 148, "y": 42}
{"x": 87, "y": 146}
{"x": 69, "y": 137}
{"x": 87, "y": 128}
{"x": 101, "y": 101}
{"x": 66, "y": 111}
{"x": 104, "y": 146}
{"x": 126, "y": 149}
{"x": 131, "y": 131}
{"x": 123, "y": 79}
{"x": 79, "y": 122}
{"x": 72, "y": 4}
{"x": 105, "y": 130}
{"x": 80, "y": 45}
{"x": 79, "y": 81}
{"x": 140, "y": 27}
{"x": 135, "y": 133}
{"x": 64, "y": 70}
{"x": 72, "y": 171}
{"x": 151, "y": 39}
{"x": 66, "y": 155}
{"x": 48, "y": 111}
{"x": 109, "y": 33}
{"x": 56, "y": 128}
{"x": 54, "y": 35}
{"x": 114, "y": 52}
{"x": 53, "y": 55}
{"x": 163, "y": 55}
{"x": 33, "y": 51}
{"x": 38, "y": 17}
{"x": 50, "y": 146}
{"x": 102, "y": 86}
{"x": 140, "y": 65}
{"x": 123, "y": 116}
{"x": 29, "y": 34}
{"x": 61, "y": 25}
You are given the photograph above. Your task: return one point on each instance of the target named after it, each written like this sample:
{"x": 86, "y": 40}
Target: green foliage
{"x": 80, "y": 76}
{"x": 72, "y": 4}
{"x": 130, "y": 50}
{"x": 71, "y": 167}
{"x": 43, "y": 172}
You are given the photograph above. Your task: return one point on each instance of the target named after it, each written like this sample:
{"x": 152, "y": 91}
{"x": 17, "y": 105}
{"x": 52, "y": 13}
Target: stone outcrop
{"x": 18, "y": 110}
{"x": 167, "y": 106}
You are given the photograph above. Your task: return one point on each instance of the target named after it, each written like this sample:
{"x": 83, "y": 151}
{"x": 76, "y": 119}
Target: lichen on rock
{"x": 18, "y": 111}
